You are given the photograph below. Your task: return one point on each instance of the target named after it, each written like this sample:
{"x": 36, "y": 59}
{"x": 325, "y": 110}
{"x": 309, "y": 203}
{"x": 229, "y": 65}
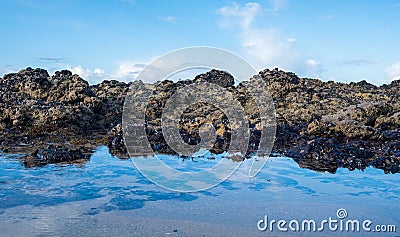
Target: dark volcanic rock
{"x": 388, "y": 164}
{"x": 362, "y": 119}
{"x": 68, "y": 88}
{"x": 321, "y": 125}
{"x": 52, "y": 155}
{"x": 220, "y": 78}
{"x": 108, "y": 102}
{"x": 116, "y": 142}
{"x": 34, "y": 104}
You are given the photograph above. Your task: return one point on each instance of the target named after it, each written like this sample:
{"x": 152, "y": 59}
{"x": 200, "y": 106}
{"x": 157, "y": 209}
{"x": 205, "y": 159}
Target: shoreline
{"x": 321, "y": 125}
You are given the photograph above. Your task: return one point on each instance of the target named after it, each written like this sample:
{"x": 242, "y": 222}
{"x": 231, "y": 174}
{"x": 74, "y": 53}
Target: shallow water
{"x": 109, "y": 196}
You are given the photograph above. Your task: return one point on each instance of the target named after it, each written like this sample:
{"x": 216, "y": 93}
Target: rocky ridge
{"x": 321, "y": 125}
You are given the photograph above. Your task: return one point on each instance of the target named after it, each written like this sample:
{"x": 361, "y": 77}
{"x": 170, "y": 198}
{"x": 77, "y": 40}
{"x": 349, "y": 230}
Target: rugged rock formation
{"x": 321, "y": 125}
{"x": 220, "y": 78}
{"x": 54, "y": 154}
{"x": 329, "y": 125}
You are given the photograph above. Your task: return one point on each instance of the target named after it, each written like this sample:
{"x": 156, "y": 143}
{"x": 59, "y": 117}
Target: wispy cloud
{"x": 393, "y": 71}
{"x": 358, "y": 62}
{"x": 243, "y": 14}
{"x": 267, "y": 46}
{"x": 312, "y": 62}
{"x": 278, "y": 5}
{"x": 313, "y": 68}
{"x": 128, "y": 70}
{"x": 7, "y": 69}
{"x": 290, "y": 40}
{"x": 328, "y": 17}
{"x": 170, "y": 19}
{"x": 51, "y": 60}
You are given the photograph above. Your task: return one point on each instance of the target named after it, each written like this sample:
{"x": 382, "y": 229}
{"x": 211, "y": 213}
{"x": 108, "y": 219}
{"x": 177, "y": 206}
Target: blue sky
{"x": 341, "y": 40}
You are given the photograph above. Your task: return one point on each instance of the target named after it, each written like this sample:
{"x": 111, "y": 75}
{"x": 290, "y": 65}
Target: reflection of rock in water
{"x": 52, "y": 155}
{"x": 322, "y": 125}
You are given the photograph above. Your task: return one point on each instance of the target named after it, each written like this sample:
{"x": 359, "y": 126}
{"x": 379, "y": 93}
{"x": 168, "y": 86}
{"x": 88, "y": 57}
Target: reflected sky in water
{"x": 109, "y": 192}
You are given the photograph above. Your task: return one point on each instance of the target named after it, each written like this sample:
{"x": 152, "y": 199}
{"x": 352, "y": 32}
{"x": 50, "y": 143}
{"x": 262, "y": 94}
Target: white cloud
{"x": 167, "y": 19}
{"x": 244, "y": 15}
{"x": 94, "y": 76}
{"x": 358, "y": 62}
{"x": 278, "y": 5}
{"x": 313, "y": 68}
{"x": 98, "y": 71}
{"x": 311, "y": 62}
{"x": 127, "y": 72}
{"x": 393, "y": 71}
{"x": 290, "y": 40}
{"x": 267, "y": 47}
{"x": 79, "y": 70}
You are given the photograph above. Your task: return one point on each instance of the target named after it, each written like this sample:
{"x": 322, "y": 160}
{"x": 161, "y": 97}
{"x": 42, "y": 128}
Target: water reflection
{"x": 49, "y": 198}
{"x": 103, "y": 176}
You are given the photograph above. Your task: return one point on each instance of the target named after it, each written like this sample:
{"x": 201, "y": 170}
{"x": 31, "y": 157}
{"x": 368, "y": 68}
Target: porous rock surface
{"x": 321, "y": 125}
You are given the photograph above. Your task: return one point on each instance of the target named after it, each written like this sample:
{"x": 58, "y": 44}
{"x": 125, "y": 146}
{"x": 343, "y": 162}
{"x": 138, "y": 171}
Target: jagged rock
{"x": 322, "y": 125}
{"x": 388, "y": 121}
{"x": 54, "y": 154}
{"x": 116, "y": 142}
{"x": 68, "y": 88}
{"x": 108, "y": 102}
{"x": 220, "y": 78}
{"x": 388, "y": 164}
{"x": 25, "y": 85}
